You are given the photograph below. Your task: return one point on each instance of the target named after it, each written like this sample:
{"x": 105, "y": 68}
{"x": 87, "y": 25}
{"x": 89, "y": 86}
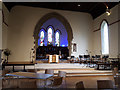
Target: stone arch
{"x": 62, "y": 19}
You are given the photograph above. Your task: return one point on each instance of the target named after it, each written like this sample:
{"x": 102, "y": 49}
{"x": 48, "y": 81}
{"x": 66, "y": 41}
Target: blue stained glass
{"x": 41, "y": 38}
{"x": 49, "y": 35}
{"x": 57, "y": 39}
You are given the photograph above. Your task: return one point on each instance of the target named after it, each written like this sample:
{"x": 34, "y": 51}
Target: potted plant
{"x": 7, "y": 52}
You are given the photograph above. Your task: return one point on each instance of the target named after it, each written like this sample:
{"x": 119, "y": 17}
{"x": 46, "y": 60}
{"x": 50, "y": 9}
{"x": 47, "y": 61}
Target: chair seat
{"x": 80, "y": 85}
{"x": 56, "y": 82}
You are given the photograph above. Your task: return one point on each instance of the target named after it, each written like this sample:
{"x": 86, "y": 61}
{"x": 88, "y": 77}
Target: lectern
{"x": 53, "y": 59}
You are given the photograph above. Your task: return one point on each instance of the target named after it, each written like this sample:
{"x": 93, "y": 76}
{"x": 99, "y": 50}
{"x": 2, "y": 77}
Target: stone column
{"x": 0, "y": 58}
{"x": 119, "y": 34}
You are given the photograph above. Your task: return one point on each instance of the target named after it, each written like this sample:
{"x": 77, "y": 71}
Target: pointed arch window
{"x": 57, "y": 39}
{"x": 50, "y": 35}
{"x": 105, "y": 37}
{"x": 42, "y": 38}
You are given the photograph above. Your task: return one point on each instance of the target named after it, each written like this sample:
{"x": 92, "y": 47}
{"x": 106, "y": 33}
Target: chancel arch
{"x": 62, "y": 20}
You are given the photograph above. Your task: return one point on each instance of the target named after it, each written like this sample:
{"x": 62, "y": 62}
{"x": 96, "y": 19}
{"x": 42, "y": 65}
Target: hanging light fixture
{"x": 108, "y": 11}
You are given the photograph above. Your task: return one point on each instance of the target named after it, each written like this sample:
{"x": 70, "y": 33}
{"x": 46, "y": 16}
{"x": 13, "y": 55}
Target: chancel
{"x": 60, "y": 45}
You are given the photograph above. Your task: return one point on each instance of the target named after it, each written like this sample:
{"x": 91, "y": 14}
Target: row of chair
{"x": 88, "y": 57}
{"x": 94, "y": 57}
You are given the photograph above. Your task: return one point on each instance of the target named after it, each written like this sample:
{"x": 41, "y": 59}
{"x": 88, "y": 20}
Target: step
{"x": 82, "y": 72}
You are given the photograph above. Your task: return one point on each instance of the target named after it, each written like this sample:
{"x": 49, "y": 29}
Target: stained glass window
{"x": 104, "y": 38}
{"x": 41, "y": 38}
{"x": 57, "y": 39}
{"x": 49, "y": 35}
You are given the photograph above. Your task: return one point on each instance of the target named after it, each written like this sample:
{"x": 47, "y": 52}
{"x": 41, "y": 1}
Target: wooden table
{"x": 17, "y": 64}
{"x": 30, "y": 75}
{"x": 41, "y": 76}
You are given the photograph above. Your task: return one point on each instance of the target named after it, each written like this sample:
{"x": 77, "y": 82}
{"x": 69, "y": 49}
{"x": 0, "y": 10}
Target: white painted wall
{"x": 82, "y": 34}
{"x": 5, "y": 27}
{"x": 113, "y": 33}
{"x": 22, "y": 21}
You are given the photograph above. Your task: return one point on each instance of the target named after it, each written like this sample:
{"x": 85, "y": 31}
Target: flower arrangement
{"x": 7, "y": 52}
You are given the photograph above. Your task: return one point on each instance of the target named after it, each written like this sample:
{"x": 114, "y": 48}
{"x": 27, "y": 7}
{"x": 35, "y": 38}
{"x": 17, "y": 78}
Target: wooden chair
{"x": 98, "y": 57}
{"x": 49, "y": 71}
{"x": 4, "y": 72}
{"x": 56, "y": 82}
{"x": 115, "y": 76}
{"x": 87, "y": 60}
{"x": 80, "y": 57}
{"x": 62, "y": 74}
{"x": 92, "y": 60}
{"x": 115, "y": 72}
{"x": 105, "y": 84}
{"x": 80, "y": 85}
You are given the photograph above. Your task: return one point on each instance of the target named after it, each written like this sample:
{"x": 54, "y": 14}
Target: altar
{"x": 43, "y": 52}
{"x": 53, "y": 59}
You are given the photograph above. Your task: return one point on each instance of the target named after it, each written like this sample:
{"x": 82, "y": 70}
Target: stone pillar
{"x": 0, "y": 58}
{"x": 119, "y": 34}
{"x": 119, "y": 29}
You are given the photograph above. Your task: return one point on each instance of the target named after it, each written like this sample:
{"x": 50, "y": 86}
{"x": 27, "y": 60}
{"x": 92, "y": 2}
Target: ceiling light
{"x": 78, "y": 5}
{"x": 108, "y": 11}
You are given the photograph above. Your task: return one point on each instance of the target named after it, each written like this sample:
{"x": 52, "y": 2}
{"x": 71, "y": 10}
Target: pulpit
{"x": 53, "y": 59}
